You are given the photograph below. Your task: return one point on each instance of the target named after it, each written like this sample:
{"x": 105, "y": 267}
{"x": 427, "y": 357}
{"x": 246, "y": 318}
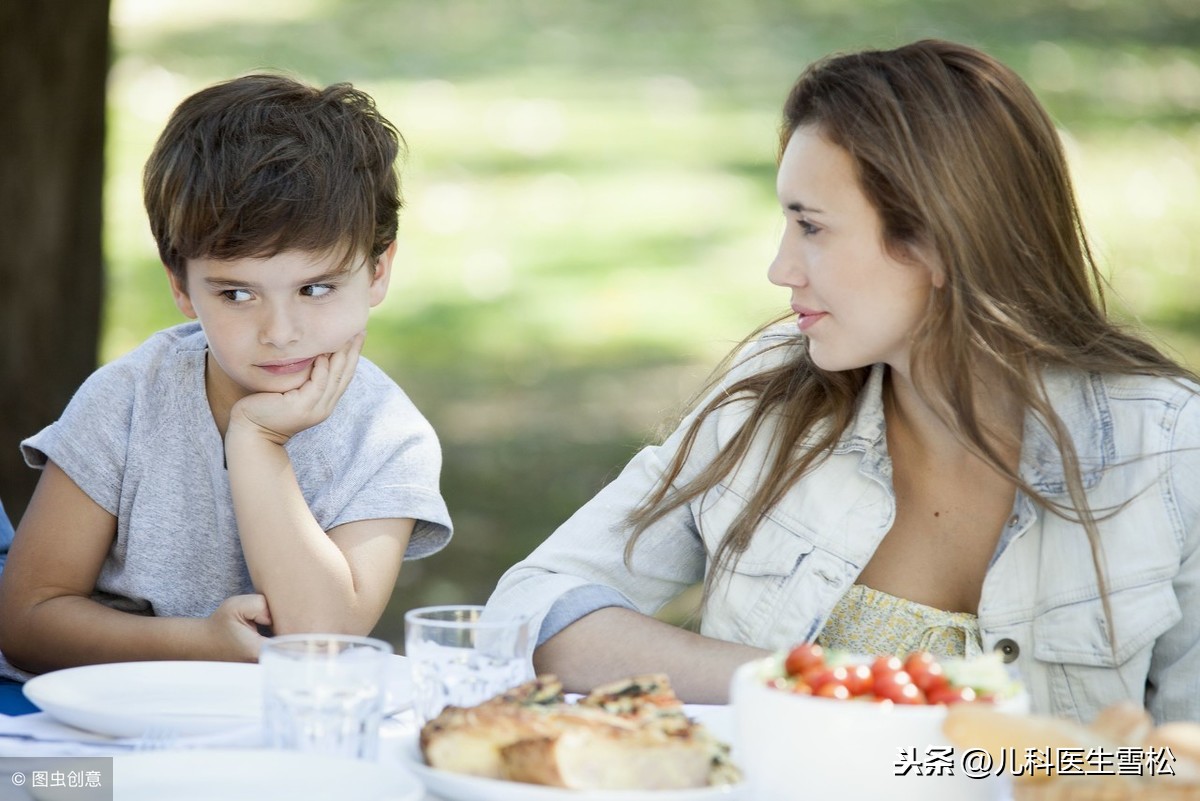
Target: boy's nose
{"x": 279, "y": 327}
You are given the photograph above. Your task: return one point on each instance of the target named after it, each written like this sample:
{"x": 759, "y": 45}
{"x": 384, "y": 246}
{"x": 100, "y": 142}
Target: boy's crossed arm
{"x": 338, "y": 581}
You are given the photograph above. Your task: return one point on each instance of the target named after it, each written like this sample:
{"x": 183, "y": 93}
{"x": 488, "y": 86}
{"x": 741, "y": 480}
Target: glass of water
{"x": 461, "y": 656}
{"x": 324, "y": 693}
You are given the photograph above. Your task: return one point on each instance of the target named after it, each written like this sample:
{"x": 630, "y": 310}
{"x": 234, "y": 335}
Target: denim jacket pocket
{"x": 1085, "y": 671}
{"x": 774, "y": 550}
{"x": 747, "y": 598}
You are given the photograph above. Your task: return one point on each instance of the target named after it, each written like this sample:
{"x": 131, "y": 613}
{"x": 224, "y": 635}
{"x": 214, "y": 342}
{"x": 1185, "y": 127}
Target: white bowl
{"x": 799, "y": 746}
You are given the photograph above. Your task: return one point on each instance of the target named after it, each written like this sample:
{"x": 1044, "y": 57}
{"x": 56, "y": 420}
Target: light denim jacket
{"x": 1136, "y": 437}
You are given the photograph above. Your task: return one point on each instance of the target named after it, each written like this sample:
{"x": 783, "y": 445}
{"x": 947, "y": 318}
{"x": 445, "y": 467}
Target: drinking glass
{"x": 461, "y": 656}
{"x": 324, "y": 693}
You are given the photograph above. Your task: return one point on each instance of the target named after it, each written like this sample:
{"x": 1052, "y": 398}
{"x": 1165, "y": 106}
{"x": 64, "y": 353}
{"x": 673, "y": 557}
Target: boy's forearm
{"x": 68, "y": 631}
{"x": 304, "y": 575}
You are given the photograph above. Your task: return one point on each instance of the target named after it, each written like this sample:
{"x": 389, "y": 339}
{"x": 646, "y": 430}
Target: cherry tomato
{"x": 887, "y": 663}
{"x": 803, "y": 658}
{"x": 951, "y": 695}
{"x": 859, "y": 679}
{"x": 891, "y": 684}
{"x": 918, "y": 660}
{"x": 819, "y": 678}
{"x": 926, "y": 672}
{"x": 909, "y": 694}
{"x": 833, "y": 689}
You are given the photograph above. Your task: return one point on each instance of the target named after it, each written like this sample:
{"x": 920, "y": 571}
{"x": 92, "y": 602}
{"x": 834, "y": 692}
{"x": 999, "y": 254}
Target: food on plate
{"x": 919, "y": 678}
{"x": 627, "y": 735}
{"x": 1120, "y": 756}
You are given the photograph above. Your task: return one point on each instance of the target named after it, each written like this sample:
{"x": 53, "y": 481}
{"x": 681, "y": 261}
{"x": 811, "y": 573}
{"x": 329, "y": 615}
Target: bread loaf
{"x": 632, "y": 734}
{"x": 1122, "y": 727}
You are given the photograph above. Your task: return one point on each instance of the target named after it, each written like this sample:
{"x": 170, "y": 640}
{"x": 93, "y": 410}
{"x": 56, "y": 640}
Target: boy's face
{"x": 266, "y": 320}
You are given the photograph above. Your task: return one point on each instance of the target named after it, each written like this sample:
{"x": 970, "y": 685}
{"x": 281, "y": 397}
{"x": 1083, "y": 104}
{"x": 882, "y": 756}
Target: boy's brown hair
{"x": 261, "y": 164}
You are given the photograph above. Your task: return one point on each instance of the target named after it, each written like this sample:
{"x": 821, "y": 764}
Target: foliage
{"x": 591, "y": 199}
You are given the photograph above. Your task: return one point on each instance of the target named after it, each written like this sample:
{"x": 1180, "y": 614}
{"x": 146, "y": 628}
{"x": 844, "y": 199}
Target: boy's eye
{"x": 235, "y": 295}
{"x": 317, "y": 290}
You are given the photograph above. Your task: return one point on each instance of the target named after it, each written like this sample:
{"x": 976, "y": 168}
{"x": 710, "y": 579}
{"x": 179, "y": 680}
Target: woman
{"x": 952, "y": 448}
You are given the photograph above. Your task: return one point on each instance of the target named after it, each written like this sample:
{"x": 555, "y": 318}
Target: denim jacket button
{"x": 1008, "y": 649}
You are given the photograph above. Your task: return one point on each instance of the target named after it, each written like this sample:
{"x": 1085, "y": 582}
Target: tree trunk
{"x": 53, "y": 65}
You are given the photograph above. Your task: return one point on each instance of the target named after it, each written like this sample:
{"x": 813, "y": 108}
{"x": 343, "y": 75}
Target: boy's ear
{"x": 383, "y": 274}
{"x": 179, "y": 292}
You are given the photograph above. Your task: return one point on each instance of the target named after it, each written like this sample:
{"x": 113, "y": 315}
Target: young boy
{"x": 248, "y": 470}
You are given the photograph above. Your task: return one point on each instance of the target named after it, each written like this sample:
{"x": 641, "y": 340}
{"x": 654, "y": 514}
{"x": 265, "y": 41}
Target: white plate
{"x": 256, "y": 775}
{"x": 125, "y": 699}
{"x": 460, "y": 787}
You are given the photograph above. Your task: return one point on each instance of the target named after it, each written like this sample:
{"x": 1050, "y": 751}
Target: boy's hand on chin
{"x": 279, "y": 416}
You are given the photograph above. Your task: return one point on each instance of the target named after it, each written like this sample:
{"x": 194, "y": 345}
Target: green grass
{"x": 591, "y": 201}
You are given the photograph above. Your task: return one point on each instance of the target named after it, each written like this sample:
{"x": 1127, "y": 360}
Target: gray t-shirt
{"x": 139, "y": 438}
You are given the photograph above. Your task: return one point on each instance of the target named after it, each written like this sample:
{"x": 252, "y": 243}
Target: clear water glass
{"x": 461, "y": 656}
{"x": 324, "y": 693}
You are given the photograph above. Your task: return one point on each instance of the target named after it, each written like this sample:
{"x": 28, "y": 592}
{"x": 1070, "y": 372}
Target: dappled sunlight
{"x": 448, "y": 207}
{"x": 531, "y": 127}
{"x": 487, "y": 274}
{"x": 154, "y": 17}
{"x": 590, "y": 206}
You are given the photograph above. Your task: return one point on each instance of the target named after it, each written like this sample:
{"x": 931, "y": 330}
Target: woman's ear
{"x": 383, "y": 274}
{"x": 183, "y": 302}
{"x": 926, "y": 258}
{"x": 937, "y": 273}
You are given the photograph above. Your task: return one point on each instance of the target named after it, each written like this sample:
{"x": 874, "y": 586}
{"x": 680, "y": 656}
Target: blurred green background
{"x": 590, "y": 200}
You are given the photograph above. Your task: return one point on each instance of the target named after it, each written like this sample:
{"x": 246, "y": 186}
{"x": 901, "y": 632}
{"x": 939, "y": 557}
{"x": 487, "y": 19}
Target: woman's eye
{"x": 317, "y": 290}
{"x": 236, "y": 295}
{"x": 808, "y": 228}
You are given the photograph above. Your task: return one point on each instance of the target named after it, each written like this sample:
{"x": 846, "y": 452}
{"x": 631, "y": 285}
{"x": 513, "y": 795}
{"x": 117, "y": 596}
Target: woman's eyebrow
{"x": 800, "y": 208}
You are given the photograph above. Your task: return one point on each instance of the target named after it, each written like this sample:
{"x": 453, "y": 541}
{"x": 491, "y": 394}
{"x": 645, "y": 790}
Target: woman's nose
{"x": 787, "y": 268}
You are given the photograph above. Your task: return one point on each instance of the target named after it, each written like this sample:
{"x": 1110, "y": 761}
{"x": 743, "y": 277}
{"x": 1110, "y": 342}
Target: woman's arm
{"x": 615, "y": 642}
{"x": 49, "y": 620}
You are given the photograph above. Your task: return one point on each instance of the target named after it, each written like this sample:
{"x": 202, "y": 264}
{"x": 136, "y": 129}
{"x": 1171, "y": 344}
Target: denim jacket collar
{"x": 1082, "y": 406}
{"x": 1077, "y": 397}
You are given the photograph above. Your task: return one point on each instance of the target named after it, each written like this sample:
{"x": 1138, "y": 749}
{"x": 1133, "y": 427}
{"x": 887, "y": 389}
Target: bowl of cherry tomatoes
{"x": 812, "y": 723}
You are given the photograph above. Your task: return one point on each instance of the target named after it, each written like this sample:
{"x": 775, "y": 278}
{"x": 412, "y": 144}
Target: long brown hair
{"x": 961, "y": 161}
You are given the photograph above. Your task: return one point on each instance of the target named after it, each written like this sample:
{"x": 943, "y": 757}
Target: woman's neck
{"x": 926, "y": 427}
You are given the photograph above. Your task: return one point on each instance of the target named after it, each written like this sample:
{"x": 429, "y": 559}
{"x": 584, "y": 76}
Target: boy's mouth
{"x": 287, "y": 367}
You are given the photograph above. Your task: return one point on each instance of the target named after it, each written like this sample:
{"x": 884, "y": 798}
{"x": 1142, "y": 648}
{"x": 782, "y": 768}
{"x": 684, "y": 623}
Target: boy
{"x": 246, "y": 470}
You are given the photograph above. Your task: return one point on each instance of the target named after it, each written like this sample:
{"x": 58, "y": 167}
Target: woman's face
{"x": 857, "y": 304}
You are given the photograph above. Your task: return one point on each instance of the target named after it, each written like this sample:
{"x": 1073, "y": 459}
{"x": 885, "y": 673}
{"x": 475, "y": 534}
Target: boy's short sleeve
{"x": 406, "y": 485}
{"x": 6, "y": 534}
{"x": 90, "y": 440}
{"x": 375, "y": 457}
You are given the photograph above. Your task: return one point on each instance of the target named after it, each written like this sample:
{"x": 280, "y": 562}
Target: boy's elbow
{"x": 321, "y": 623}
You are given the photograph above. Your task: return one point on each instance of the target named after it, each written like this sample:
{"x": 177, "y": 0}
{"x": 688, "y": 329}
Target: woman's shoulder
{"x": 1171, "y": 393}
{"x": 1148, "y": 407}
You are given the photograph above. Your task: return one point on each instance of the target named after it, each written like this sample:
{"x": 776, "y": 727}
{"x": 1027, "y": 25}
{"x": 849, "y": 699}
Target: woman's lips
{"x": 288, "y": 367}
{"x": 807, "y": 318}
